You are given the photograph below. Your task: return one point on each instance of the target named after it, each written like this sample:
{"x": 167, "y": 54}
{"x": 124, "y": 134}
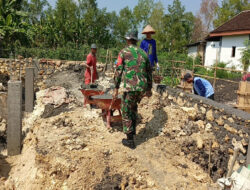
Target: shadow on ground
{"x": 4, "y": 167}
{"x": 153, "y": 128}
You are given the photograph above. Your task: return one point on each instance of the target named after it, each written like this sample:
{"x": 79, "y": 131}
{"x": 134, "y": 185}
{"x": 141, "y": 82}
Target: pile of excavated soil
{"x": 226, "y": 92}
{"x": 75, "y": 150}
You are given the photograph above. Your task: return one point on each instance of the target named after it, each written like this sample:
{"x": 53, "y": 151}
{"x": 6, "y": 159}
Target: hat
{"x": 133, "y": 35}
{"x": 148, "y": 29}
{"x": 93, "y": 46}
{"x": 187, "y": 76}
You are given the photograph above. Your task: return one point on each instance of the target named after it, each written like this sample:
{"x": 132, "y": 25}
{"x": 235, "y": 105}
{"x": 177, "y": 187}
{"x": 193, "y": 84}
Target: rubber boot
{"x": 129, "y": 142}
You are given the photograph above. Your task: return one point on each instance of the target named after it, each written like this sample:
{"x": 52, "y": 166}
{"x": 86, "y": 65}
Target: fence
{"x": 172, "y": 69}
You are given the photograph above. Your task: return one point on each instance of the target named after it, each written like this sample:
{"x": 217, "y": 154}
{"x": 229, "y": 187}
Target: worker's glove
{"x": 157, "y": 66}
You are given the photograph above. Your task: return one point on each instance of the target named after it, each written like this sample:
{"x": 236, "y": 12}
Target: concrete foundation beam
{"x": 14, "y": 124}
{"x": 29, "y": 89}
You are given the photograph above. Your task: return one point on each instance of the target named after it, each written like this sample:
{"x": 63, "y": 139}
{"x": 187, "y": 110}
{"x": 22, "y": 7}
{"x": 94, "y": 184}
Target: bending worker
{"x": 133, "y": 69}
{"x": 246, "y": 77}
{"x": 202, "y": 86}
{"x": 149, "y": 45}
{"x": 91, "y": 66}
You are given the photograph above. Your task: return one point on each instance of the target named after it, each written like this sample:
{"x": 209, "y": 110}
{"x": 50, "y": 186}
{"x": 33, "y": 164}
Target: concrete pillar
{"x": 36, "y": 66}
{"x": 29, "y": 89}
{"x": 14, "y": 125}
{"x": 248, "y": 155}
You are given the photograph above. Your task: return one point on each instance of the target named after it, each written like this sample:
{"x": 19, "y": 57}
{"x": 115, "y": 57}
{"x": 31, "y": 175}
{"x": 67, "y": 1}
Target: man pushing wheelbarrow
{"x": 134, "y": 70}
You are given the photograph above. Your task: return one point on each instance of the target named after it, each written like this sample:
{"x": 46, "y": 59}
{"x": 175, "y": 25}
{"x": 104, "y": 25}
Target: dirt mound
{"x": 74, "y": 150}
{"x": 225, "y": 92}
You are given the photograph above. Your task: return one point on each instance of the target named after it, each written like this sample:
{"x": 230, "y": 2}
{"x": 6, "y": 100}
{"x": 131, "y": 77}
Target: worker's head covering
{"x": 187, "y": 76}
{"x": 132, "y": 35}
{"x": 148, "y": 29}
{"x": 93, "y": 46}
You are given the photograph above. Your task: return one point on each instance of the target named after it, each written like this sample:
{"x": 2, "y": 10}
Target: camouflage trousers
{"x": 129, "y": 108}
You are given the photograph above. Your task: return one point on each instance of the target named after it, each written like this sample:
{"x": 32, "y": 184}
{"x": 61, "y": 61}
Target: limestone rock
{"x": 226, "y": 138}
{"x": 170, "y": 97}
{"x": 196, "y": 107}
{"x": 58, "y": 63}
{"x": 244, "y": 142}
{"x": 220, "y": 121}
{"x": 191, "y": 112}
{"x": 215, "y": 145}
{"x": 2, "y": 88}
{"x": 236, "y": 165}
{"x": 200, "y": 124}
{"x": 203, "y": 110}
{"x": 231, "y": 120}
{"x": 208, "y": 127}
{"x": 165, "y": 95}
{"x": 180, "y": 101}
{"x": 210, "y": 116}
{"x": 238, "y": 144}
{"x": 230, "y": 129}
{"x": 199, "y": 142}
{"x": 3, "y": 127}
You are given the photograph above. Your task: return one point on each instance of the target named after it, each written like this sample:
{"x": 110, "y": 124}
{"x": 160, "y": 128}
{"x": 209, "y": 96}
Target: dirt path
{"x": 74, "y": 150}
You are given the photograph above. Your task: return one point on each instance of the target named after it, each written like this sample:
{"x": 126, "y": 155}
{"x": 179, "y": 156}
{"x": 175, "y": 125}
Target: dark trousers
{"x": 211, "y": 97}
{"x": 130, "y": 102}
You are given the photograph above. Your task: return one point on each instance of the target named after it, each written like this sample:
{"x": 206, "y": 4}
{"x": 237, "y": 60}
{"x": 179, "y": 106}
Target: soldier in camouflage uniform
{"x": 134, "y": 70}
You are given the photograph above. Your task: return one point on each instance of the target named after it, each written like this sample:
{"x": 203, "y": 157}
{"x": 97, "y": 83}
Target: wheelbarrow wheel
{"x": 104, "y": 117}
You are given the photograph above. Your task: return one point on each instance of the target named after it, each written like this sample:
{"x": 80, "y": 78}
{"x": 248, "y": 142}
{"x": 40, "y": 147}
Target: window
{"x": 233, "y": 51}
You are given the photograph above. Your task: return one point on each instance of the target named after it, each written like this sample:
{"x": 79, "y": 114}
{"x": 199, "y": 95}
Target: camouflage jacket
{"x": 134, "y": 70}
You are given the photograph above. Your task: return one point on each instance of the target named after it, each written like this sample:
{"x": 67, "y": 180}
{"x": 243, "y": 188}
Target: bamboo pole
{"x": 215, "y": 70}
{"x": 174, "y": 61}
{"x": 209, "y": 158}
{"x": 193, "y": 66}
{"x": 219, "y": 68}
{"x": 205, "y": 76}
{"x": 112, "y": 62}
{"x": 106, "y": 64}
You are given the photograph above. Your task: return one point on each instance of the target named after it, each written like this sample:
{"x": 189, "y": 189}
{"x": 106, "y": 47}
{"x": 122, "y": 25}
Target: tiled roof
{"x": 240, "y": 22}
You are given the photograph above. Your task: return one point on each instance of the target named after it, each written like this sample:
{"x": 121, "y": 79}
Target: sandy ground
{"x": 75, "y": 151}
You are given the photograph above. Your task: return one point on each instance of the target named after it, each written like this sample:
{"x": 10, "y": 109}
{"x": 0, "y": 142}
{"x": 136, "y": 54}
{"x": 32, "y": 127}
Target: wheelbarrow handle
{"x": 112, "y": 102}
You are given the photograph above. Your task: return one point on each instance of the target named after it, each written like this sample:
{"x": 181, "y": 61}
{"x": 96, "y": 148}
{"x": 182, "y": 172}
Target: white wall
{"x": 192, "y": 51}
{"x": 226, "y": 50}
{"x": 210, "y": 55}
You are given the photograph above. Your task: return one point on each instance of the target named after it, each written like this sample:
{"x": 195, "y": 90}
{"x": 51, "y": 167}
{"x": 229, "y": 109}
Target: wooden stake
{"x": 105, "y": 68}
{"x": 215, "y": 70}
{"x": 209, "y": 158}
{"x": 236, "y": 150}
{"x": 193, "y": 66}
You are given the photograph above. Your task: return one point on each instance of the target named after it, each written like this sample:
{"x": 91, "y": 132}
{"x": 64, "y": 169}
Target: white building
{"x": 226, "y": 43}
{"x": 196, "y": 49}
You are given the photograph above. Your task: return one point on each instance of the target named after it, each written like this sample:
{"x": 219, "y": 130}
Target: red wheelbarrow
{"x": 104, "y": 102}
{"x": 87, "y": 93}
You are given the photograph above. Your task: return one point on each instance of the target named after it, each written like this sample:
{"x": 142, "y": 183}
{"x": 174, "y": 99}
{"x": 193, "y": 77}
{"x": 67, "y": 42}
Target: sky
{"x": 117, "y": 5}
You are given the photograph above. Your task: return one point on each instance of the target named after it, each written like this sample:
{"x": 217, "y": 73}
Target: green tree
{"x": 35, "y": 8}
{"x": 142, "y": 11}
{"x": 179, "y": 27}
{"x": 229, "y": 9}
{"x": 156, "y": 20}
{"x": 65, "y": 14}
{"x": 12, "y": 25}
{"x": 123, "y": 23}
{"x": 246, "y": 56}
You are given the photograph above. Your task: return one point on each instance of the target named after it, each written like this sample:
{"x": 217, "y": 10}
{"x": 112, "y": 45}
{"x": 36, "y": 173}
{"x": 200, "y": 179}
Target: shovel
{"x": 91, "y": 76}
